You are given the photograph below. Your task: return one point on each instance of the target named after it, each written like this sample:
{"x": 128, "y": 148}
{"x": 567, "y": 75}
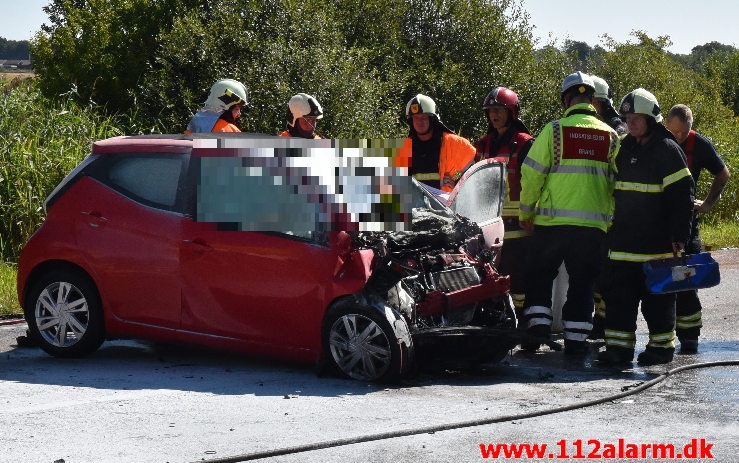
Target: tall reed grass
{"x": 40, "y": 142}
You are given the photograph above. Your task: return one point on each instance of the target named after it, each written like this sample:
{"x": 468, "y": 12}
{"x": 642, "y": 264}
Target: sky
{"x": 688, "y": 22}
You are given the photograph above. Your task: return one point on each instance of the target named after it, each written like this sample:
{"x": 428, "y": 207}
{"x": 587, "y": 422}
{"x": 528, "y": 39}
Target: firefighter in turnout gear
{"x": 508, "y": 139}
{"x": 439, "y": 157}
{"x": 303, "y": 112}
{"x": 219, "y": 113}
{"x": 652, "y": 216}
{"x": 701, "y": 154}
{"x": 566, "y": 201}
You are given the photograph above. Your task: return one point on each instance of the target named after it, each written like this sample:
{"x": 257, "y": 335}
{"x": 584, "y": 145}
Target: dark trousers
{"x": 688, "y": 306}
{"x": 624, "y": 288}
{"x": 513, "y": 264}
{"x": 579, "y": 249}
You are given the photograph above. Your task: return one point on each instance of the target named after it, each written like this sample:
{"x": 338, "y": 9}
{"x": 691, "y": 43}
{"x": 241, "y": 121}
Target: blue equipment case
{"x": 683, "y": 273}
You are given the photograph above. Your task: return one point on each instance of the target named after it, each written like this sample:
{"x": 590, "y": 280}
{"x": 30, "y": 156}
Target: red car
{"x": 121, "y": 254}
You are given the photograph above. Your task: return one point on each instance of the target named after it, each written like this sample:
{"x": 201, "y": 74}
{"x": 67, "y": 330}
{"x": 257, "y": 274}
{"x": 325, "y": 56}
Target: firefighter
{"x": 438, "y": 157}
{"x": 566, "y": 202}
{"x": 508, "y": 139}
{"x": 303, "y": 112}
{"x": 701, "y": 154}
{"x": 652, "y": 216}
{"x": 603, "y": 103}
{"x": 224, "y": 104}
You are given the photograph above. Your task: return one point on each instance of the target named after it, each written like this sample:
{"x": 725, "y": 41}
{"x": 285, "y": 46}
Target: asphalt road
{"x": 138, "y": 402}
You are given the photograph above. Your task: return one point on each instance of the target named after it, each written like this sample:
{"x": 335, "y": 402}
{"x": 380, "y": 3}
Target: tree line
{"x": 14, "y": 49}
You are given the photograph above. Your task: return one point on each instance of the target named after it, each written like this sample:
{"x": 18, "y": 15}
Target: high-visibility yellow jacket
{"x": 568, "y": 175}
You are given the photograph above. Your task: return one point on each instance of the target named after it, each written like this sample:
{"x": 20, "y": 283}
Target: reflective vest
{"x": 567, "y": 177}
{"x": 456, "y": 152}
{"x": 510, "y": 152}
{"x": 209, "y": 121}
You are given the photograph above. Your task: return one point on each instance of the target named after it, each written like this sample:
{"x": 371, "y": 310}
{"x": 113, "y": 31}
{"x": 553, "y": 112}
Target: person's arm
{"x": 714, "y": 193}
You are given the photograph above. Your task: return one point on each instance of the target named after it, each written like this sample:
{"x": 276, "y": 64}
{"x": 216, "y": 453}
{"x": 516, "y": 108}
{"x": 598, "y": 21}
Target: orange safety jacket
{"x": 456, "y": 152}
{"x": 287, "y": 133}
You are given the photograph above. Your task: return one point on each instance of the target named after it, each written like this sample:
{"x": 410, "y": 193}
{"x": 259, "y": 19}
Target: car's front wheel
{"x": 360, "y": 343}
{"x": 64, "y": 314}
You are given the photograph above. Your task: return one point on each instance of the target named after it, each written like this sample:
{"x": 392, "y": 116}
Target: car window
{"x": 153, "y": 180}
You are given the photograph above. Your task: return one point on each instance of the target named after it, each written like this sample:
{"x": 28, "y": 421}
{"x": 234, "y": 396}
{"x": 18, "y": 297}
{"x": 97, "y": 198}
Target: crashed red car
{"x": 120, "y": 254}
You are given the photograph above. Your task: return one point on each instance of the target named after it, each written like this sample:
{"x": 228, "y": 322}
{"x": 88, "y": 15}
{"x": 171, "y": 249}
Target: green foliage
{"x": 40, "y": 142}
{"x": 13, "y": 49}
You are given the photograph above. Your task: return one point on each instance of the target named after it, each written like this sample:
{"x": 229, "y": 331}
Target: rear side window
{"x": 152, "y": 179}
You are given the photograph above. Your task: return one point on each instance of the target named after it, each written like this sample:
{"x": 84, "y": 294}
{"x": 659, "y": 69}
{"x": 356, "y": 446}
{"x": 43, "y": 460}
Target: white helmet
{"x": 302, "y": 105}
{"x": 575, "y": 79}
{"x": 226, "y": 93}
{"x": 421, "y": 104}
{"x": 641, "y": 101}
{"x": 601, "y": 88}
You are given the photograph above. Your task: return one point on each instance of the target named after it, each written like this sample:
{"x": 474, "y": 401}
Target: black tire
{"x": 64, "y": 314}
{"x": 360, "y": 344}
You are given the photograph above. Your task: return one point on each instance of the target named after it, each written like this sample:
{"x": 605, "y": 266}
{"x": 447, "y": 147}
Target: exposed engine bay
{"x": 440, "y": 274}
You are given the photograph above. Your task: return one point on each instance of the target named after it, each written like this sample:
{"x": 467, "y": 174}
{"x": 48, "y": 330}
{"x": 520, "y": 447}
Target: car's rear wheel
{"x": 64, "y": 314}
{"x": 360, "y": 344}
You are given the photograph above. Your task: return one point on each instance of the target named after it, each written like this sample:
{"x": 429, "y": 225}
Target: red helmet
{"x": 501, "y": 96}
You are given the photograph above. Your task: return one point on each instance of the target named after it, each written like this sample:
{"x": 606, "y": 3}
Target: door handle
{"x": 198, "y": 245}
{"x": 96, "y": 218}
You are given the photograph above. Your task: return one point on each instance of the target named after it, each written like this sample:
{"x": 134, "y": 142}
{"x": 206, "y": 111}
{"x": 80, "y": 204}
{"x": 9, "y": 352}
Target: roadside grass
{"x": 720, "y": 235}
{"x": 8, "y": 298}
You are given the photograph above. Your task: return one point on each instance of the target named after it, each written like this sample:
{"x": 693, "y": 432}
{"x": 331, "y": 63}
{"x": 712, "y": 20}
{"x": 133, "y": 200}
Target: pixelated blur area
{"x": 300, "y": 186}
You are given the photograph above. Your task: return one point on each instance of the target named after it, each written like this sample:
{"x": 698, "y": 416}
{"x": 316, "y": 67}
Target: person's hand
{"x": 448, "y": 180}
{"x": 701, "y": 207}
{"x": 678, "y": 248}
{"x": 527, "y": 225}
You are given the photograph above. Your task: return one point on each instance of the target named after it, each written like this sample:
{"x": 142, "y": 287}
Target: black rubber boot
{"x": 542, "y": 332}
{"x": 616, "y": 356}
{"x": 688, "y": 346}
{"x": 576, "y": 347}
{"x": 655, "y": 356}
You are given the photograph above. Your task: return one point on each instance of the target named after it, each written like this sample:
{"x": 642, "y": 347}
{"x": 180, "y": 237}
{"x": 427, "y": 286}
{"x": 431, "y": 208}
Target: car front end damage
{"x": 439, "y": 281}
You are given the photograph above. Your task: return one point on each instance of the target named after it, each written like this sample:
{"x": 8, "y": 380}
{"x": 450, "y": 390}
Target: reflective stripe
{"x": 632, "y": 257}
{"x": 538, "y": 315}
{"x": 625, "y": 339}
{"x": 541, "y": 168}
{"x": 539, "y": 321}
{"x": 515, "y": 234}
{"x": 576, "y": 331}
{"x": 575, "y": 336}
{"x": 690, "y": 321}
{"x": 680, "y": 174}
{"x": 572, "y": 214}
{"x": 538, "y": 309}
{"x": 662, "y": 339}
{"x": 640, "y": 187}
{"x": 588, "y": 170}
{"x": 556, "y": 143}
{"x": 526, "y": 208}
{"x": 518, "y": 300}
{"x": 570, "y": 325}
{"x": 427, "y": 176}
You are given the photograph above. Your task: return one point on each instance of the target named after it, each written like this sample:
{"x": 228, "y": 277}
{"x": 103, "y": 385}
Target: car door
{"x": 128, "y": 228}
{"x": 260, "y": 288}
{"x": 479, "y": 197}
